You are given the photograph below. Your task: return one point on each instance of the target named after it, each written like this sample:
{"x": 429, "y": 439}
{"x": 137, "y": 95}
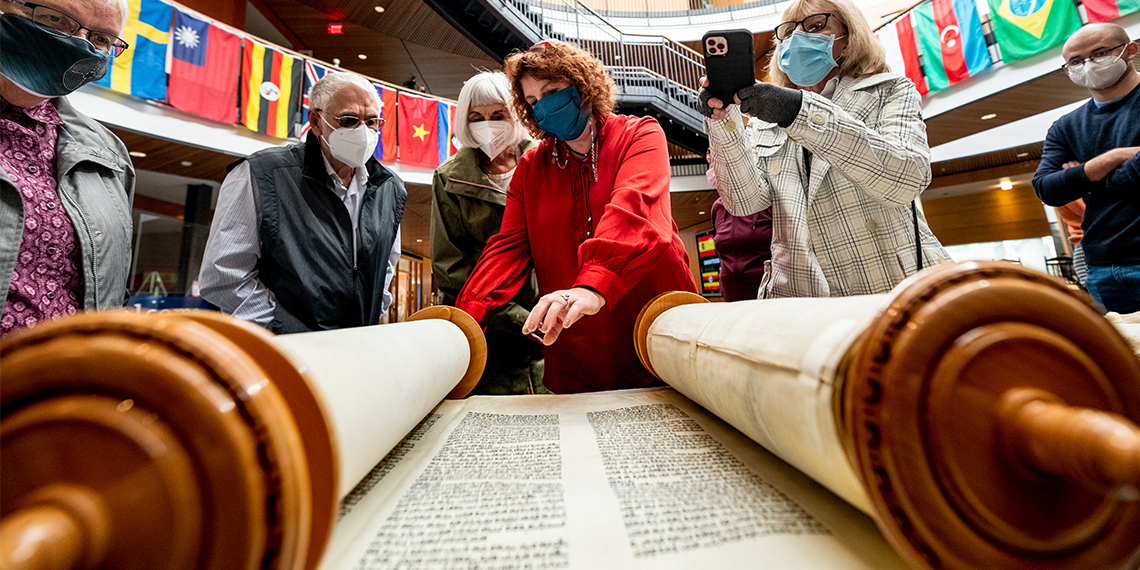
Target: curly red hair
{"x": 557, "y": 60}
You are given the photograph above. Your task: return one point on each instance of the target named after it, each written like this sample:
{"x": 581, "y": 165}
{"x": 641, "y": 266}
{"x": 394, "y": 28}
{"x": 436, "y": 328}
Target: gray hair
{"x": 328, "y": 86}
{"x": 485, "y": 88}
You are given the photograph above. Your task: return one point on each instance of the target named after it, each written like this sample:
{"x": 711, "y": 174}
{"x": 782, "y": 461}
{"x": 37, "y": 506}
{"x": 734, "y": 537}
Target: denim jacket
{"x": 96, "y": 184}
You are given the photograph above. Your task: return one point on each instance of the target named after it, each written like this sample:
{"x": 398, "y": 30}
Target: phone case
{"x": 729, "y": 62}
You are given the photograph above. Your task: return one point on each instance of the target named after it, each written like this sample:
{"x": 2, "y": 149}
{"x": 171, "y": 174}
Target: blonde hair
{"x": 863, "y": 55}
{"x": 485, "y": 88}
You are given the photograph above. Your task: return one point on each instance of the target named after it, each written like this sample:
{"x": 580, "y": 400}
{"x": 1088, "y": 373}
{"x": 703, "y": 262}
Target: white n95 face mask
{"x": 493, "y": 136}
{"x": 352, "y": 146}
{"x": 1099, "y": 74}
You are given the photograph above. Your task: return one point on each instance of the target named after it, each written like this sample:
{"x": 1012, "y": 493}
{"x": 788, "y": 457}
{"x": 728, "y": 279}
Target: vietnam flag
{"x": 204, "y": 64}
{"x": 386, "y": 150}
{"x": 419, "y": 137}
{"x": 902, "y": 53}
{"x": 270, "y": 89}
{"x": 1105, "y": 10}
{"x": 950, "y": 37}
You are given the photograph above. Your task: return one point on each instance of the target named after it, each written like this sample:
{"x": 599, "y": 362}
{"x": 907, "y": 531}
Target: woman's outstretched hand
{"x": 560, "y": 310}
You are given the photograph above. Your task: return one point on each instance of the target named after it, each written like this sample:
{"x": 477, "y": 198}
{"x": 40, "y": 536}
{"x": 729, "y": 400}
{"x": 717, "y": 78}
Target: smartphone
{"x": 729, "y": 62}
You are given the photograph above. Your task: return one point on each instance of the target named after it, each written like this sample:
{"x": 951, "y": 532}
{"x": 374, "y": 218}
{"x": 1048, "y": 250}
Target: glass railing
{"x": 682, "y": 12}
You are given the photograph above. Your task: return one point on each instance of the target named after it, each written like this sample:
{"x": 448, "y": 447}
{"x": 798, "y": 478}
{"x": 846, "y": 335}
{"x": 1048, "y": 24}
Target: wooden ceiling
{"x": 407, "y": 39}
{"x": 170, "y": 157}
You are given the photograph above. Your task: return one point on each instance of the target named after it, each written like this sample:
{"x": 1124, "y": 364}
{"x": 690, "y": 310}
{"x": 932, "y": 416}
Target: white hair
{"x": 485, "y": 88}
{"x": 125, "y": 8}
{"x": 328, "y": 86}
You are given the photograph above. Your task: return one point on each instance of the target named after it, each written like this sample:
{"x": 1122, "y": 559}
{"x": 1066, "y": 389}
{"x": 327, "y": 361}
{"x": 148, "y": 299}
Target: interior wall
{"x": 231, "y": 12}
{"x": 689, "y": 238}
{"x": 994, "y": 215}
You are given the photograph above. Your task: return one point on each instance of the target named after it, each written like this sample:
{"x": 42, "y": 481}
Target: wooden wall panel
{"x": 994, "y": 215}
{"x": 231, "y": 12}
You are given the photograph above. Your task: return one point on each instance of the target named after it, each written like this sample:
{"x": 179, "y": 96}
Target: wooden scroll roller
{"x": 982, "y": 414}
{"x": 195, "y": 440}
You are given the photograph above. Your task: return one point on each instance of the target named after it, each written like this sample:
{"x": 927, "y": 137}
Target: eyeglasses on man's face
{"x": 64, "y": 26}
{"x": 1098, "y": 56}
{"x": 352, "y": 121}
{"x": 812, "y": 24}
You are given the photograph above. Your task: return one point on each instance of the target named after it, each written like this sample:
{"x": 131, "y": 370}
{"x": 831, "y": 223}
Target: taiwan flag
{"x": 1106, "y": 10}
{"x": 1027, "y": 27}
{"x": 950, "y": 37}
{"x": 419, "y": 134}
{"x": 386, "y": 150}
{"x": 203, "y": 65}
{"x": 902, "y": 53}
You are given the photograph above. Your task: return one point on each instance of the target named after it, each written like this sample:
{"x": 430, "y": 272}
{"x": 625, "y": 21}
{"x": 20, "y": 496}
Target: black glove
{"x": 703, "y": 102}
{"x": 771, "y": 103}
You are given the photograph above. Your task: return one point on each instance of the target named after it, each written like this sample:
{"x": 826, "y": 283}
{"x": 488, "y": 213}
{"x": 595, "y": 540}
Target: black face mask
{"x": 44, "y": 64}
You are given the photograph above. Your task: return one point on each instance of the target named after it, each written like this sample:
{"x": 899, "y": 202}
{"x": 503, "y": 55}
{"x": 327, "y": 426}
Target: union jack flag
{"x": 313, "y": 72}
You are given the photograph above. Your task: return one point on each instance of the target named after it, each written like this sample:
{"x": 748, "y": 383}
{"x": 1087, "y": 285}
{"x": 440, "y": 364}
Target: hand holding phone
{"x": 729, "y": 62}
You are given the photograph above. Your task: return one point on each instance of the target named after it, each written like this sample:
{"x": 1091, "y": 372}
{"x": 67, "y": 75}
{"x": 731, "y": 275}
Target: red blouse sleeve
{"x": 636, "y": 227}
{"x": 505, "y": 264}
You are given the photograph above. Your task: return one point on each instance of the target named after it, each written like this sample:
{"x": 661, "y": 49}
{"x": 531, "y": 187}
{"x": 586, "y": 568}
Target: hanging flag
{"x": 313, "y": 73}
{"x": 444, "y": 124}
{"x": 950, "y": 37}
{"x": 1027, "y": 27}
{"x": 902, "y": 55}
{"x": 203, "y": 67}
{"x": 270, "y": 89}
{"x": 419, "y": 137}
{"x": 386, "y": 150}
{"x": 451, "y": 147}
{"x": 1106, "y": 10}
{"x": 141, "y": 70}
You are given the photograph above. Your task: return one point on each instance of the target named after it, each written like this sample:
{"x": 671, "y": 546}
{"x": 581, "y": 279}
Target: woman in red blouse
{"x": 588, "y": 209}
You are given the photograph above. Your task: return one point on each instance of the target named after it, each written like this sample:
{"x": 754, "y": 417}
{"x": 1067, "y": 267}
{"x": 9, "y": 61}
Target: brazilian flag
{"x": 1026, "y": 27}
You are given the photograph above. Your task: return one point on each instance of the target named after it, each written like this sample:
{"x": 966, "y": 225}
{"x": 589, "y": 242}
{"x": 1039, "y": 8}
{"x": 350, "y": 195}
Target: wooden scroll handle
{"x": 66, "y": 528}
{"x": 478, "y": 343}
{"x": 1095, "y": 449}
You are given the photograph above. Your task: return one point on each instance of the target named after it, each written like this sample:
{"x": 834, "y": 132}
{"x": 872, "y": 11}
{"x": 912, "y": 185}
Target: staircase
{"x": 655, "y": 76}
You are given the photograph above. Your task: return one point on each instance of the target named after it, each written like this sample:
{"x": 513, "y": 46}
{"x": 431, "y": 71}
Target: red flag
{"x": 451, "y": 150}
{"x": 905, "y": 29}
{"x": 388, "y": 131}
{"x": 1107, "y": 10}
{"x": 419, "y": 141}
{"x": 204, "y": 65}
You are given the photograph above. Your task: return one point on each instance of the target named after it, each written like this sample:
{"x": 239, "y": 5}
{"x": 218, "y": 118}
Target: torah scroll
{"x": 981, "y": 412}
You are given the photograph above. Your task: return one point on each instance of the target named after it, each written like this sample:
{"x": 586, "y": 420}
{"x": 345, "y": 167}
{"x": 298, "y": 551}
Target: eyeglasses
{"x": 64, "y": 26}
{"x": 812, "y": 24}
{"x": 352, "y": 121}
{"x": 1097, "y": 56}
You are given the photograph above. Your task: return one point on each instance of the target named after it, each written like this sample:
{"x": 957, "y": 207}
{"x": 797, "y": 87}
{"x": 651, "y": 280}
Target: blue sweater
{"x": 1112, "y": 205}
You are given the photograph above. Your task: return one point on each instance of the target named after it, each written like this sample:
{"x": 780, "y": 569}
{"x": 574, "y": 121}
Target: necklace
{"x": 591, "y": 155}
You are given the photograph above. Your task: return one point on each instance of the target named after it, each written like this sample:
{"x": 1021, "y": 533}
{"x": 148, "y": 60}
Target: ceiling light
{"x": 336, "y": 28}
{"x": 419, "y": 240}
{"x": 1006, "y": 184}
{"x": 1022, "y": 154}
{"x": 380, "y": 9}
{"x": 187, "y": 163}
{"x": 137, "y": 154}
{"x": 988, "y": 117}
{"x": 362, "y": 56}
{"x": 700, "y": 213}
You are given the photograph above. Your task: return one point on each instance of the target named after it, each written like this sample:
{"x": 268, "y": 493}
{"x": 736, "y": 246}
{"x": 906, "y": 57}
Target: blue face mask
{"x": 561, "y": 114}
{"x": 806, "y": 58}
{"x": 44, "y": 64}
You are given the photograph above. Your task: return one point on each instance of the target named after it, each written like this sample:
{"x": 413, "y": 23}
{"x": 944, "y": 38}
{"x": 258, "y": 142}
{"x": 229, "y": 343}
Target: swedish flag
{"x": 141, "y": 70}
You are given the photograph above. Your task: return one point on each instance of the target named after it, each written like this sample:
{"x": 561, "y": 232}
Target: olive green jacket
{"x": 466, "y": 210}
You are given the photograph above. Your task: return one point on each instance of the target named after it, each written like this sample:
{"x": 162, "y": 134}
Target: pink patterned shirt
{"x": 47, "y": 281}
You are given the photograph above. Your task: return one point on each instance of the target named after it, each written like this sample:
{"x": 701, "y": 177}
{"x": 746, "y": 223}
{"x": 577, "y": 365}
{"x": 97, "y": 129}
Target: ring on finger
{"x": 566, "y": 297}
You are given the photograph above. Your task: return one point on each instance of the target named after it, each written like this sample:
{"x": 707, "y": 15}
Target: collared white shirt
{"x": 228, "y": 277}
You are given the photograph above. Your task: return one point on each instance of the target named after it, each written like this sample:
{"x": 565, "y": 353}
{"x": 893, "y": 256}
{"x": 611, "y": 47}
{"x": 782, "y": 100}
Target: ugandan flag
{"x": 270, "y": 90}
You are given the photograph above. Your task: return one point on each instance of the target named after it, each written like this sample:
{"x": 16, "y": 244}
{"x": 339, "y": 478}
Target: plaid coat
{"x": 847, "y": 228}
